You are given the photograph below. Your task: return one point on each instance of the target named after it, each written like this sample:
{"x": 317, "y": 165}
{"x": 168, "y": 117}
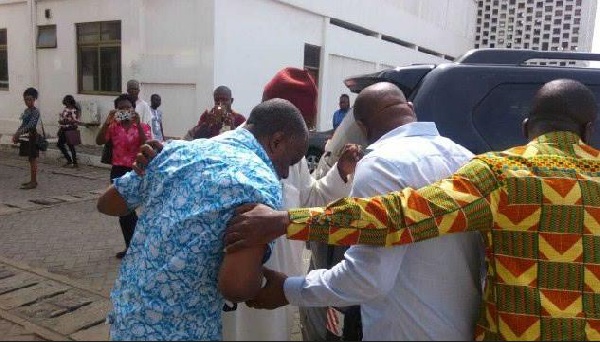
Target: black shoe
{"x": 29, "y": 186}
{"x": 121, "y": 254}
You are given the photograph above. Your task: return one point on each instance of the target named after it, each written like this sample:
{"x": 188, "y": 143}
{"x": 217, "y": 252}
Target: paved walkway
{"x": 57, "y": 262}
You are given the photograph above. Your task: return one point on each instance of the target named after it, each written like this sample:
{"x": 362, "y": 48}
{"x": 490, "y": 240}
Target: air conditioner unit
{"x": 89, "y": 112}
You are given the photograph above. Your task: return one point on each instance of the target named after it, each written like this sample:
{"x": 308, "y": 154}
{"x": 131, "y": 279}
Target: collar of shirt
{"x": 562, "y": 139}
{"x": 418, "y": 129}
{"x": 242, "y": 137}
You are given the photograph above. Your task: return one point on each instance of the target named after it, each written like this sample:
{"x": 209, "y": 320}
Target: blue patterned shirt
{"x": 167, "y": 285}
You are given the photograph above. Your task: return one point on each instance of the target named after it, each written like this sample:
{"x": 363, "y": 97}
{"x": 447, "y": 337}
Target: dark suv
{"x": 478, "y": 101}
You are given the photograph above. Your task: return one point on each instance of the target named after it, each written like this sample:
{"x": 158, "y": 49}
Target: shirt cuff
{"x": 336, "y": 183}
{"x": 292, "y": 288}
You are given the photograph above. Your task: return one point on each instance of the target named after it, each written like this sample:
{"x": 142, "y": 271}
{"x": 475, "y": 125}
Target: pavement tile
{"x": 82, "y": 318}
{"x": 31, "y": 294}
{"x": 100, "y": 332}
{"x": 18, "y": 281}
{"x": 10, "y": 331}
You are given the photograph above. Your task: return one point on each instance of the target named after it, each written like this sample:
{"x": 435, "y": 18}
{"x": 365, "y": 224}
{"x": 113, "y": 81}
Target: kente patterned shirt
{"x": 538, "y": 207}
{"x": 167, "y": 285}
{"x": 126, "y": 142}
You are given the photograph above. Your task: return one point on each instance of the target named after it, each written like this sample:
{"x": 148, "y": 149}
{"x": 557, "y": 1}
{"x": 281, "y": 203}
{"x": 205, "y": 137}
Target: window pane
{"x": 110, "y": 64}
{"x": 88, "y": 59}
{"x": 46, "y": 36}
{"x": 111, "y": 31}
{"x": 499, "y": 116}
{"x": 3, "y": 69}
{"x": 312, "y": 55}
{"x": 89, "y": 32}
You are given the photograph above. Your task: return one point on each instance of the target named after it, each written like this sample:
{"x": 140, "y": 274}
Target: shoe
{"x": 75, "y": 166}
{"x": 68, "y": 164}
{"x": 25, "y": 183}
{"x": 28, "y": 186}
{"x": 121, "y": 254}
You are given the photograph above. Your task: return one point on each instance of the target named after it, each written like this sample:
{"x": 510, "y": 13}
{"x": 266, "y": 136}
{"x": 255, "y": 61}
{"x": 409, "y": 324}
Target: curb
{"x": 54, "y": 154}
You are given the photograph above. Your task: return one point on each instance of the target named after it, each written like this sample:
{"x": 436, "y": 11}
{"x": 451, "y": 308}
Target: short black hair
{"x": 124, "y": 97}
{"x": 69, "y": 100}
{"x": 345, "y": 95}
{"x": 276, "y": 115}
{"x": 31, "y": 92}
{"x": 223, "y": 89}
{"x": 153, "y": 95}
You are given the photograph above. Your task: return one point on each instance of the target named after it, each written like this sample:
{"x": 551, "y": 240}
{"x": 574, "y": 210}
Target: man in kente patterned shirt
{"x": 173, "y": 279}
{"x": 538, "y": 207}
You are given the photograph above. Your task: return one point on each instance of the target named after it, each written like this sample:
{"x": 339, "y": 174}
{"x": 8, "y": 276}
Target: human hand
{"x": 147, "y": 152}
{"x": 254, "y": 224}
{"x": 111, "y": 117}
{"x": 272, "y": 295}
{"x": 346, "y": 164}
{"x": 15, "y": 138}
{"x": 135, "y": 118}
{"x": 214, "y": 115}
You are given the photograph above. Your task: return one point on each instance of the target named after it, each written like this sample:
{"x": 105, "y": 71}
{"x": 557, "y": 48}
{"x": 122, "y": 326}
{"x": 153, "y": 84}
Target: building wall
{"x": 183, "y": 49}
{"x": 558, "y": 25}
{"x": 280, "y": 28}
{"x": 169, "y": 49}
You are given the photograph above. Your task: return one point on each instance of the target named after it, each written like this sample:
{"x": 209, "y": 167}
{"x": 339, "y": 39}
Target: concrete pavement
{"x": 57, "y": 262}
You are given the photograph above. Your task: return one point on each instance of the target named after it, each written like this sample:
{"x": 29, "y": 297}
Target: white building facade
{"x": 547, "y": 25}
{"x": 183, "y": 49}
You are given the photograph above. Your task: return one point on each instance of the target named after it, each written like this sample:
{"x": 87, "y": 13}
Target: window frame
{"x": 37, "y": 38}
{"x": 4, "y": 48}
{"x": 98, "y": 44}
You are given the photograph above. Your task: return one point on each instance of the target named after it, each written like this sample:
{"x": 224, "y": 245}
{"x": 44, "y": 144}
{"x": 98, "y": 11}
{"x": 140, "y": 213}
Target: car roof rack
{"x": 517, "y": 57}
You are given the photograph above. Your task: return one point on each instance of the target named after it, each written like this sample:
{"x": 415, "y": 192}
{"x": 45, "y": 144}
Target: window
{"x": 3, "y": 61}
{"x": 498, "y": 116}
{"x": 99, "y": 57}
{"x": 312, "y": 60}
{"x": 46, "y": 36}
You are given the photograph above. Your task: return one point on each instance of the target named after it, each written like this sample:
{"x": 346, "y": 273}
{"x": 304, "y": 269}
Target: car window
{"x": 499, "y": 115}
{"x": 596, "y": 134}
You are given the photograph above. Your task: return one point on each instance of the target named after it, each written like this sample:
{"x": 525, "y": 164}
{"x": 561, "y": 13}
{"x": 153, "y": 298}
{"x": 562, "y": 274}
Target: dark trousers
{"x": 62, "y": 140}
{"x": 128, "y": 221}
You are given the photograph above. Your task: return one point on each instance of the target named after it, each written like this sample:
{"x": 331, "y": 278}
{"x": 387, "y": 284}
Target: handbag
{"x": 23, "y": 146}
{"x": 73, "y": 137}
{"x": 40, "y": 139}
{"x": 107, "y": 153}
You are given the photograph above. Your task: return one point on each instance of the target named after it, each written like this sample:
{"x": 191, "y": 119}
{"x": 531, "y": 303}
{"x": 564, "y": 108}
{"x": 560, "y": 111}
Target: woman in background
{"x": 68, "y": 121}
{"x": 126, "y": 134}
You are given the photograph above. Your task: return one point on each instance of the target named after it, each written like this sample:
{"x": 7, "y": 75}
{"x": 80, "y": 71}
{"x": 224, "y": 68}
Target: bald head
{"x": 562, "y": 105}
{"x": 381, "y": 108}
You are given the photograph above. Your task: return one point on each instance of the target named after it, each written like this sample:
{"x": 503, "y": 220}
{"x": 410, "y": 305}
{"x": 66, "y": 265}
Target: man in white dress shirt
{"x": 141, "y": 106}
{"x": 426, "y": 291}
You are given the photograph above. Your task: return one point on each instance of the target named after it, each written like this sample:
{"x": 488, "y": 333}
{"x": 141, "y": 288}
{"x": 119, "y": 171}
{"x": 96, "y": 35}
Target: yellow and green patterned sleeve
{"x": 456, "y": 204}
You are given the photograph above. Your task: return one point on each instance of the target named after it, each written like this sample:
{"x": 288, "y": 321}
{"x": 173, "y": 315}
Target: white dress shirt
{"x": 143, "y": 110}
{"x": 426, "y": 291}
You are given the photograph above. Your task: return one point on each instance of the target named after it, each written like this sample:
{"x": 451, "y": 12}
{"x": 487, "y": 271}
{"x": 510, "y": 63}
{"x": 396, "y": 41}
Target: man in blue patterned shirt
{"x": 172, "y": 282}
